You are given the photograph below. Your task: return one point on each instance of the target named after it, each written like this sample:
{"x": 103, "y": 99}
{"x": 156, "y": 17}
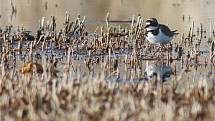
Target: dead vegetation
{"x": 42, "y": 75}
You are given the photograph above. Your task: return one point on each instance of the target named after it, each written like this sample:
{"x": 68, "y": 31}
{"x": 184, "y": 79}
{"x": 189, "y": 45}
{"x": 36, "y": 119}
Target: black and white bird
{"x": 158, "y": 33}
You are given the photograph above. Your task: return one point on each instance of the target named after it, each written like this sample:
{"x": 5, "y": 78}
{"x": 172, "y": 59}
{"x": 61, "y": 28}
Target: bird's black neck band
{"x": 154, "y": 32}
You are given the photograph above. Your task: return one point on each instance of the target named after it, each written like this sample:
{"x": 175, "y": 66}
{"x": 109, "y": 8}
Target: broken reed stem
{"x": 201, "y": 31}
{"x": 31, "y": 50}
{"x": 211, "y": 33}
{"x": 68, "y": 56}
{"x": 192, "y": 31}
{"x": 107, "y": 20}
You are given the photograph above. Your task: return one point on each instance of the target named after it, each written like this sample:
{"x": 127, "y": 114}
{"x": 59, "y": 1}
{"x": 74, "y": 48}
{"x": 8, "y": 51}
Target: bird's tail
{"x": 175, "y": 32}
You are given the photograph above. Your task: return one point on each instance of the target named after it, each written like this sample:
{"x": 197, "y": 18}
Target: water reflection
{"x": 160, "y": 72}
{"x": 152, "y": 72}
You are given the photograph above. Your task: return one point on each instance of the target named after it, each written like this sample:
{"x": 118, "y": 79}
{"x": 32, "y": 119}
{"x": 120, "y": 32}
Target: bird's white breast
{"x": 160, "y": 38}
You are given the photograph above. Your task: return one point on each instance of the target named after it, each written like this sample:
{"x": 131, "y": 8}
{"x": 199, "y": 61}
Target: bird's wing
{"x": 165, "y": 29}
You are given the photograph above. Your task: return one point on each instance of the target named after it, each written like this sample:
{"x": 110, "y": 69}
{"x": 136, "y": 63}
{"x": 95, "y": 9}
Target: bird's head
{"x": 151, "y": 24}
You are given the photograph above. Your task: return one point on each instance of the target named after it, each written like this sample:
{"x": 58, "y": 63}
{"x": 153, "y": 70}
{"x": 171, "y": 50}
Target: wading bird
{"x": 158, "y": 33}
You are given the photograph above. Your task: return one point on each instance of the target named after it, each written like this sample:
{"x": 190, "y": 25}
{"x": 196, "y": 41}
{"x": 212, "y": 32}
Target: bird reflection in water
{"x": 158, "y": 72}
{"x": 152, "y": 72}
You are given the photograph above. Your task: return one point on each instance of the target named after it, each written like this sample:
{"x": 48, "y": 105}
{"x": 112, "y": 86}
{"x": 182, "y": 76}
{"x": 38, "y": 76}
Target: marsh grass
{"x": 41, "y": 97}
{"x": 70, "y": 78}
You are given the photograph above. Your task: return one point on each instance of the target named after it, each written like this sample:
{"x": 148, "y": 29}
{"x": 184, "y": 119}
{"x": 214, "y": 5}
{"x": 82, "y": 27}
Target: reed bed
{"x": 65, "y": 74}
